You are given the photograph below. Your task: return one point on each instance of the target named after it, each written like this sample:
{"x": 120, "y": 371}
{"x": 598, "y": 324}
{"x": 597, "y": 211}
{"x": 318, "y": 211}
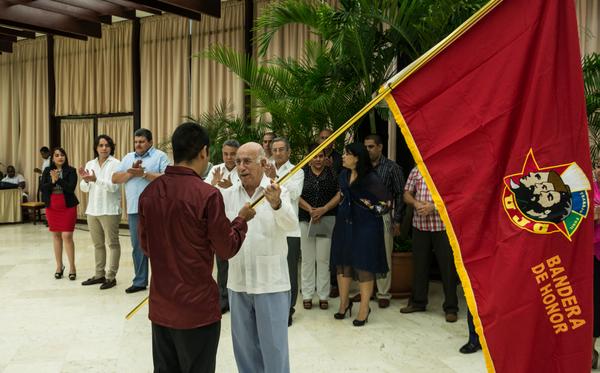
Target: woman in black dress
{"x": 358, "y": 248}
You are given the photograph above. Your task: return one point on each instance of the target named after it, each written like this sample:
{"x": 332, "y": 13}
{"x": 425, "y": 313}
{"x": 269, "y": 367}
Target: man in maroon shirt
{"x": 182, "y": 225}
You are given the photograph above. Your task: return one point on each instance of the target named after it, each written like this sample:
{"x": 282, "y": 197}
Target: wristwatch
{"x": 145, "y": 174}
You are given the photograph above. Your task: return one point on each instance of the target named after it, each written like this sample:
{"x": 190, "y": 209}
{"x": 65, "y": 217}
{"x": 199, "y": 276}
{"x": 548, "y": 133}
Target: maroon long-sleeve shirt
{"x": 182, "y": 224}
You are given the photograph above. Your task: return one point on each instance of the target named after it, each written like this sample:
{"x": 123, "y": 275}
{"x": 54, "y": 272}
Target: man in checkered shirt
{"x": 429, "y": 236}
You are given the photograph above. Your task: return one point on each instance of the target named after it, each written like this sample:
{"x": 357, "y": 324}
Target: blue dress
{"x": 358, "y": 240}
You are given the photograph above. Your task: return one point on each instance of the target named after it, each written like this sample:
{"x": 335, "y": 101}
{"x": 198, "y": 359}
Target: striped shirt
{"x": 391, "y": 174}
{"x": 417, "y": 187}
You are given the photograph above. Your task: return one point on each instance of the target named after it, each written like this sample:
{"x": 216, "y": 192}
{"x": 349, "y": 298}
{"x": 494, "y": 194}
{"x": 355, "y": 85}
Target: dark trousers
{"x": 473, "y": 337}
{"x": 424, "y": 245}
{"x": 185, "y": 350}
{"x": 293, "y": 258}
{"x": 222, "y": 269}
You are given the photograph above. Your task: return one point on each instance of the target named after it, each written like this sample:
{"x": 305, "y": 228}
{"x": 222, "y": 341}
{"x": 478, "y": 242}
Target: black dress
{"x": 357, "y": 246}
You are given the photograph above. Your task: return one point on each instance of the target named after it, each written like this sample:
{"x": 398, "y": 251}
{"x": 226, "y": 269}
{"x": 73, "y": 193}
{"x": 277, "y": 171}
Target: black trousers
{"x": 185, "y": 350}
{"x": 293, "y": 258}
{"x": 424, "y": 245}
{"x": 222, "y": 269}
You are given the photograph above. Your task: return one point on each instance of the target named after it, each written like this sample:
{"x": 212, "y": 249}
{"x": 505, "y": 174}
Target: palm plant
{"x": 591, "y": 77}
{"x": 359, "y": 46}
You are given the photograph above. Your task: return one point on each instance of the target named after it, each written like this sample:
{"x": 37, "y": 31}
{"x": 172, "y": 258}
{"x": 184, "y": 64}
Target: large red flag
{"x": 497, "y": 124}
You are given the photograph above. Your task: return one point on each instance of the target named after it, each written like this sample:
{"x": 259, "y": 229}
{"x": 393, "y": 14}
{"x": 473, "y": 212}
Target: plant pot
{"x": 402, "y": 274}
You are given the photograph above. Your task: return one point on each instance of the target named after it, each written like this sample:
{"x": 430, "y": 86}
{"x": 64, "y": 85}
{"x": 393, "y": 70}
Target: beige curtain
{"x": 288, "y": 41}
{"x": 77, "y": 138}
{"x": 31, "y": 82}
{"x": 120, "y": 129}
{"x": 588, "y": 16}
{"x": 95, "y": 76}
{"x": 165, "y": 74}
{"x": 213, "y": 84}
{"x": 9, "y": 113}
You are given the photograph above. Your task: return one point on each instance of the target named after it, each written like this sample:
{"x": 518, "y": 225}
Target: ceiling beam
{"x": 135, "y": 5}
{"x": 174, "y": 9}
{"x": 21, "y": 33}
{"x": 47, "y": 22}
{"x": 102, "y": 7}
{"x": 6, "y": 46}
{"x": 66, "y": 9}
{"x": 11, "y": 38}
{"x": 209, "y": 7}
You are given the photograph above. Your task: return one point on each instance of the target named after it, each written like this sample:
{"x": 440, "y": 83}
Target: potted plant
{"x": 402, "y": 268}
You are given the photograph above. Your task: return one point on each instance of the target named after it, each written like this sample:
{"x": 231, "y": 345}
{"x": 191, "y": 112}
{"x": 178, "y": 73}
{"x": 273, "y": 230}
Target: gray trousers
{"x": 384, "y": 284}
{"x": 105, "y": 228}
{"x": 424, "y": 245}
{"x": 293, "y": 259}
{"x": 259, "y": 329}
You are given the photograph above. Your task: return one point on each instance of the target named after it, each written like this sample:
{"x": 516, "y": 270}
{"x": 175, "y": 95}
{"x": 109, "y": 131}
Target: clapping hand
{"x": 270, "y": 171}
{"x": 217, "y": 176}
{"x": 225, "y": 183}
{"x": 136, "y": 169}
{"x": 54, "y": 175}
{"x": 86, "y": 175}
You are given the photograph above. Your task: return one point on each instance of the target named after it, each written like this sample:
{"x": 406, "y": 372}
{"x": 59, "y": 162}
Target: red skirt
{"x": 60, "y": 217}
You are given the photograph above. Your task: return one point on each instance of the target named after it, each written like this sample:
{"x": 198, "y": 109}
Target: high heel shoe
{"x": 72, "y": 276}
{"x": 358, "y": 322}
{"x": 341, "y": 316}
{"x": 59, "y": 275}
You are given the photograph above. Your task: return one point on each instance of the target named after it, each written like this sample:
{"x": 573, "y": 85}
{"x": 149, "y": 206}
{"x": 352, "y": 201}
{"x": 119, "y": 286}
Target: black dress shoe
{"x": 470, "y": 348}
{"x": 94, "y": 281}
{"x": 108, "y": 284}
{"x": 134, "y": 289}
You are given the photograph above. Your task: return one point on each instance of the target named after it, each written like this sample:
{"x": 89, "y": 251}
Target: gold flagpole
{"x": 381, "y": 94}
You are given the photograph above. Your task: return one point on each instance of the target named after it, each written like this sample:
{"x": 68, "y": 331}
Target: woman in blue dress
{"x": 358, "y": 248}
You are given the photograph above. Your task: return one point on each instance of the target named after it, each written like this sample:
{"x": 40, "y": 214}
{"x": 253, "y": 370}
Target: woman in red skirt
{"x": 58, "y": 193}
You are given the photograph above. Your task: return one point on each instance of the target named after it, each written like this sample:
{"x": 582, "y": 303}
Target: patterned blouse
{"x": 318, "y": 190}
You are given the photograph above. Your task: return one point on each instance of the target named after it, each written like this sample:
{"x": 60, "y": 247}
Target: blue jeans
{"x": 140, "y": 261}
{"x": 260, "y": 331}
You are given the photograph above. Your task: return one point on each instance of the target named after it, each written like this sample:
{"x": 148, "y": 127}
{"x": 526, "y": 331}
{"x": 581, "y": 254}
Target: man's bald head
{"x": 250, "y": 160}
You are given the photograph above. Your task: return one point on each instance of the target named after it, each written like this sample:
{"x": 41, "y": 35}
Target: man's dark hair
{"x": 312, "y": 147}
{"x": 188, "y": 140}
{"x": 143, "y": 132}
{"x": 364, "y": 165}
{"x": 108, "y": 139}
{"x": 375, "y": 137}
{"x": 44, "y": 149}
{"x": 232, "y": 142}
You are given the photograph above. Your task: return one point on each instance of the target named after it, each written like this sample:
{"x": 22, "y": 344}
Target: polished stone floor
{"x": 53, "y": 325}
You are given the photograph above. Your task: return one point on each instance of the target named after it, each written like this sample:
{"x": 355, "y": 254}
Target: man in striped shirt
{"x": 429, "y": 236}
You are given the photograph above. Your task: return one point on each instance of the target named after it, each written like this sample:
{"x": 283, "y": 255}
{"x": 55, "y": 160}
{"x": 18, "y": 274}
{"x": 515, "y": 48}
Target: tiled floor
{"x": 50, "y": 325}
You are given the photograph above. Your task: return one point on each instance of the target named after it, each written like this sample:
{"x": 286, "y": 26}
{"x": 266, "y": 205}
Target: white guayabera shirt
{"x": 104, "y": 196}
{"x": 261, "y": 264}
{"x": 294, "y": 186}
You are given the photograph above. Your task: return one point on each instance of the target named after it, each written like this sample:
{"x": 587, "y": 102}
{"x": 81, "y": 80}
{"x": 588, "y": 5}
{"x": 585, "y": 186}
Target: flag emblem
{"x": 546, "y": 200}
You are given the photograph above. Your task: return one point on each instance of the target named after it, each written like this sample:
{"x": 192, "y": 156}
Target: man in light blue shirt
{"x": 136, "y": 171}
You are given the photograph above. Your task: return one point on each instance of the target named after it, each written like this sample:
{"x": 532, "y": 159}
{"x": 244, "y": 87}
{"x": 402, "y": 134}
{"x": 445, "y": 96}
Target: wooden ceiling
{"x": 81, "y": 19}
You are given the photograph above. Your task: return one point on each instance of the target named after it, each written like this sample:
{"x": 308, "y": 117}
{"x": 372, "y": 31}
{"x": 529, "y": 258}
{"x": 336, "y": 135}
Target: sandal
{"x": 59, "y": 275}
{"x": 323, "y": 304}
{"x": 307, "y": 304}
{"x": 72, "y": 276}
